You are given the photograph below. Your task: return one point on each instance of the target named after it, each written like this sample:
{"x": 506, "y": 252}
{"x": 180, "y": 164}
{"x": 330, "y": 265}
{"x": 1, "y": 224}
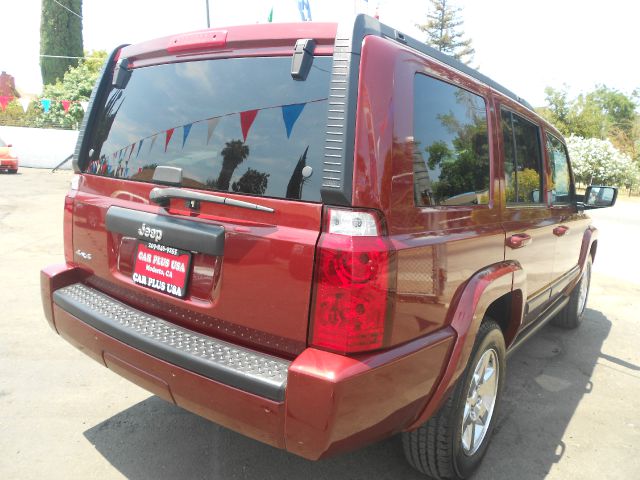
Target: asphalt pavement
{"x": 570, "y": 410}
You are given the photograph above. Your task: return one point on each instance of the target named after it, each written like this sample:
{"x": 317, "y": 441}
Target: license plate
{"x": 162, "y": 268}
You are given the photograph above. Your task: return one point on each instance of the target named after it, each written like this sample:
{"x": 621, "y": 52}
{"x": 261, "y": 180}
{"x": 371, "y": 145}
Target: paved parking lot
{"x": 571, "y": 408}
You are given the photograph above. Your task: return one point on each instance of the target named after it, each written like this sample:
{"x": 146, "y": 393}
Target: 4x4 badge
{"x": 85, "y": 255}
{"x": 152, "y": 233}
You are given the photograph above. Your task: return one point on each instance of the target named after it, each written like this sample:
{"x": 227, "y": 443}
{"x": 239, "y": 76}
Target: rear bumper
{"x": 314, "y": 406}
{"x": 8, "y": 164}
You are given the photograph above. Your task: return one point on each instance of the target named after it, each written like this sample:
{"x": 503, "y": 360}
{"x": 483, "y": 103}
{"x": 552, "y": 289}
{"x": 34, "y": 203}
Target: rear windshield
{"x": 240, "y": 125}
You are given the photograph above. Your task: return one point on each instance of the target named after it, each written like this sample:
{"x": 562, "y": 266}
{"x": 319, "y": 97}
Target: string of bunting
{"x": 290, "y": 114}
{"x": 45, "y": 102}
{"x": 66, "y": 104}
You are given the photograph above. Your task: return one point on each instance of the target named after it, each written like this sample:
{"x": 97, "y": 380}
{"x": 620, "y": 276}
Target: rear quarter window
{"x": 451, "y": 163}
{"x": 235, "y": 125}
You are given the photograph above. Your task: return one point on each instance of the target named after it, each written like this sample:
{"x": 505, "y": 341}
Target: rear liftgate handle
{"x": 519, "y": 240}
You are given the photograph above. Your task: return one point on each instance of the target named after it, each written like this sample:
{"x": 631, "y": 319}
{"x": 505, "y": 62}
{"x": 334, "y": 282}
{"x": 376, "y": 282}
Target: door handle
{"x": 519, "y": 240}
{"x": 560, "y": 230}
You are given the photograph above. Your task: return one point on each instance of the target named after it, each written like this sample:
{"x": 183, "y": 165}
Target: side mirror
{"x": 596, "y": 196}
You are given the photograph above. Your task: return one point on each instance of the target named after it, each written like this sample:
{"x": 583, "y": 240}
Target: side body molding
{"x": 467, "y": 310}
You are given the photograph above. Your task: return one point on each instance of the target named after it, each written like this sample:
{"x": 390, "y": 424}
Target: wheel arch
{"x": 589, "y": 245}
{"x": 500, "y": 287}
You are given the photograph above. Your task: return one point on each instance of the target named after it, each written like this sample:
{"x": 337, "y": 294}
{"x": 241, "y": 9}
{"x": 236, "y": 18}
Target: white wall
{"x": 40, "y": 147}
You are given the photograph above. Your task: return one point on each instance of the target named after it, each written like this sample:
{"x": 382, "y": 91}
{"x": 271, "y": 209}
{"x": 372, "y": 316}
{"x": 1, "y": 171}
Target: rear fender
{"x": 465, "y": 316}
{"x": 588, "y": 239}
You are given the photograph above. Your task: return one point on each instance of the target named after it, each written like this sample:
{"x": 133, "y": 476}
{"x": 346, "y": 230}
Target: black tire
{"x": 435, "y": 448}
{"x": 571, "y": 315}
{"x": 13, "y": 171}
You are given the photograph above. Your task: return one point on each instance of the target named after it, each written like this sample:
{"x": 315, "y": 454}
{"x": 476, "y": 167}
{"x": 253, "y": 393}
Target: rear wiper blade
{"x": 161, "y": 196}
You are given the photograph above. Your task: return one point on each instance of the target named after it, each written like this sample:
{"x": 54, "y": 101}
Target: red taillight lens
{"x": 352, "y": 287}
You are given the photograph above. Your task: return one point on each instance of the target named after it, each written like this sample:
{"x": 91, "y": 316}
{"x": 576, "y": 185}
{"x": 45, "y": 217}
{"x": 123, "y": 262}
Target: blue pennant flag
{"x": 46, "y": 104}
{"x": 139, "y": 148}
{"x": 186, "y": 129}
{"x": 305, "y": 10}
{"x": 290, "y": 114}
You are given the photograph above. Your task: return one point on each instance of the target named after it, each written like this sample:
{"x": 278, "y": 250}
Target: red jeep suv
{"x": 318, "y": 236}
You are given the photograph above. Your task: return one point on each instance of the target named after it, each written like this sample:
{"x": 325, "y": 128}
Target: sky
{"x": 524, "y": 45}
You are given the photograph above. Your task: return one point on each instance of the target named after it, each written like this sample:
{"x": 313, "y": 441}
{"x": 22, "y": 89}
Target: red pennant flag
{"x": 167, "y": 138}
{"x": 246, "y": 120}
{"x": 4, "y": 101}
{"x": 66, "y": 104}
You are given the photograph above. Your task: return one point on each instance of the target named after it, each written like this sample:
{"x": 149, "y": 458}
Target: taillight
{"x": 353, "y": 282}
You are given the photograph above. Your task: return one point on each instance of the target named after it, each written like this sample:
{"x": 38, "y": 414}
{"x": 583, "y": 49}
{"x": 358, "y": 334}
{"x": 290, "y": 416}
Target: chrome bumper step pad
{"x": 239, "y": 367}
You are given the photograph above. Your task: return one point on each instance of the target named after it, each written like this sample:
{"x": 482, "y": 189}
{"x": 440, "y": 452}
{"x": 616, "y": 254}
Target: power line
{"x": 60, "y": 56}
{"x": 68, "y": 9}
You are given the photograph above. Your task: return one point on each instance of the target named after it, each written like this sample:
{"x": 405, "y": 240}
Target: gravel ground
{"x": 570, "y": 407}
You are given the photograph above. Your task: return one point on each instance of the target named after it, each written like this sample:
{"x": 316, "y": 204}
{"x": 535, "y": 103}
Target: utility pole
{"x": 208, "y": 19}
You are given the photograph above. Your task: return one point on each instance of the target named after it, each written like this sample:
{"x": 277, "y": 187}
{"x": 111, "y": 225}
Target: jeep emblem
{"x": 151, "y": 233}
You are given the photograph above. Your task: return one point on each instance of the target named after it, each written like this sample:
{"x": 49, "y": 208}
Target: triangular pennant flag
{"x": 185, "y": 132}
{"x": 131, "y": 151}
{"x": 25, "y": 104}
{"x": 139, "y": 147}
{"x": 212, "y": 123}
{"x": 290, "y": 114}
{"x": 4, "y": 101}
{"x": 246, "y": 120}
{"x": 270, "y": 17}
{"x": 46, "y": 104}
{"x": 84, "y": 106}
{"x": 153, "y": 142}
{"x": 66, "y": 104}
{"x": 167, "y": 138}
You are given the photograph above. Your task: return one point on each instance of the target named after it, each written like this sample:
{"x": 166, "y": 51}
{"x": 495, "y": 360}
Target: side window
{"x": 561, "y": 191}
{"x": 522, "y": 159}
{"x": 451, "y": 145}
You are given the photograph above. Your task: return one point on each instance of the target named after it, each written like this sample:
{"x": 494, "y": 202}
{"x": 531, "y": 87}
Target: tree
{"x": 252, "y": 181}
{"x": 76, "y": 87}
{"x": 597, "y": 161}
{"x": 443, "y": 31}
{"x": 233, "y": 154}
{"x": 557, "y": 108}
{"x": 297, "y": 180}
{"x": 603, "y": 113}
{"x": 60, "y": 35}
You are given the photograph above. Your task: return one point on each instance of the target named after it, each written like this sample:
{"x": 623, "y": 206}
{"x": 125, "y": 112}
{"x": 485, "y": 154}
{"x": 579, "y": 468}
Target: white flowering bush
{"x": 598, "y": 162}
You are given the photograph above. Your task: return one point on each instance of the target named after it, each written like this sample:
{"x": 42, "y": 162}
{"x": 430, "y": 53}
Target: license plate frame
{"x": 162, "y": 268}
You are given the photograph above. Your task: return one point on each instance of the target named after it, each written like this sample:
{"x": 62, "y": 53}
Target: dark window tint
{"x": 451, "y": 156}
{"x": 522, "y": 159}
{"x": 561, "y": 188}
{"x": 239, "y": 125}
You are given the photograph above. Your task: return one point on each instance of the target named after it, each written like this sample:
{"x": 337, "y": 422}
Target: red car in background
{"x": 8, "y": 162}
